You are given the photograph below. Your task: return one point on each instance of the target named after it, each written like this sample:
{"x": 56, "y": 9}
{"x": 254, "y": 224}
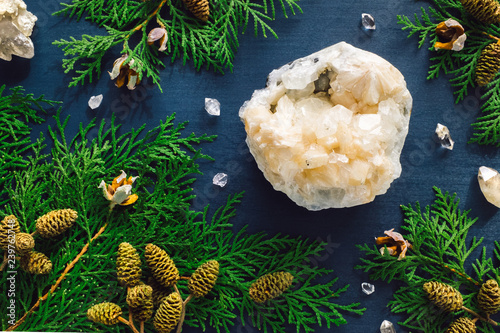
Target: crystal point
{"x": 212, "y": 106}
{"x": 367, "y": 288}
{"x": 368, "y": 21}
{"x": 220, "y": 179}
{"x": 444, "y": 137}
{"x": 95, "y": 101}
{"x": 489, "y": 182}
{"x": 16, "y": 26}
{"x": 387, "y": 327}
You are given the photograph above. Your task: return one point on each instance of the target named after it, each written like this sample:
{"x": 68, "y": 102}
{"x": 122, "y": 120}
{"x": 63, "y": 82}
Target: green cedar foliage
{"x": 460, "y": 65}
{"x": 440, "y": 252}
{"x": 210, "y": 45}
{"x": 165, "y": 161}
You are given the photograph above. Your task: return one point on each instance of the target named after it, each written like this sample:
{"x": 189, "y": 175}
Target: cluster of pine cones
{"x": 450, "y": 299}
{"x": 49, "y": 225}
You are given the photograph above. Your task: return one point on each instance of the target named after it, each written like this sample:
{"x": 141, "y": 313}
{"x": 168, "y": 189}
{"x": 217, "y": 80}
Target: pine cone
{"x": 162, "y": 267}
{"x": 36, "y": 263}
{"x": 488, "y": 64}
{"x": 140, "y": 300}
{"x": 270, "y": 286}
{"x": 159, "y": 291}
{"x": 443, "y": 296}
{"x": 168, "y": 314}
{"x": 24, "y": 244}
{"x": 104, "y": 313}
{"x": 128, "y": 265}
{"x": 462, "y": 325}
{"x": 199, "y": 8}
{"x": 203, "y": 279}
{"x": 8, "y": 226}
{"x": 486, "y": 11}
{"x": 488, "y": 298}
{"x": 55, "y": 222}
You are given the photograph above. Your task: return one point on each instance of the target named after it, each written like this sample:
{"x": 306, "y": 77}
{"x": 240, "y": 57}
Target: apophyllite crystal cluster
{"x": 329, "y": 128}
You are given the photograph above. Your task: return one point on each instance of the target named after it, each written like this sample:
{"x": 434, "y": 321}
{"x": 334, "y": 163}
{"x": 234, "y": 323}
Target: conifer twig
{"x": 183, "y": 313}
{"x": 478, "y": 316}
{"x": 59, "y": 280}
{"x": 34, "y": 233}
{"x": 4, "y": 263}
{"x": 128, "y": 323}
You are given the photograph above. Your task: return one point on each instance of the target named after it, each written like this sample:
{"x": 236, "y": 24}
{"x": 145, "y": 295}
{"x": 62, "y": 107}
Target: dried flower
{"x": 451, "y": 36}
{"x": 123, "y": 72}
{"x": 120, "y": 191}
{"x": 158, "y": 34}
{"x": 395, "y": 243}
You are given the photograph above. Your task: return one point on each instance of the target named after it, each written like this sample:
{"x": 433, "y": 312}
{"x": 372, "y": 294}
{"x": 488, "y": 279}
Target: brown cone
{"x": 443, "y": 296}
{"x": 486, "y": 11}
{"x": 199, "y": 8}
{"x": 55, "y": 222}
{"x": 8, "y": 228}
{"x": 140, "y": 300}
{"x": 162, "y": 267}
{"x": 169, "y": 313}
{"x": 104, "y": 313}
{"x": 270, "y": 286}
{"x": 462, "y": 325}
{"x": 204, "y": 278}
{"x": 488, "y": 297}
{"x": 128, "y": 265}
{"x": 159, "y": 291}
{"x": 24, "y": 244}
{"x": 36, "y": 263}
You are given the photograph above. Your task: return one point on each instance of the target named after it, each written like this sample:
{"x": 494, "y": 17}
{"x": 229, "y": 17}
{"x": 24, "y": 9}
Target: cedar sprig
{"x": 460, "y": 65}
{"x": 211, "y": 45}
{"x": 442, "y": 251}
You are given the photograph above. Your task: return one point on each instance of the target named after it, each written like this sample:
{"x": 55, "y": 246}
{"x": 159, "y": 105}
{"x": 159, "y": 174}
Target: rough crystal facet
{"x": 368, "y": 21}
{"x": 95, "y": 101}
{"x": 489, "y": 182}
{"x": 368, "y": 288}
{"x": 330, "y": 145}
{"x": 387, "y": 327}
{"x": 220, "y": 179}
{"x": 444, "y": 137}
{"x": 16, "y": 25}
{"x": 212, "y": 106}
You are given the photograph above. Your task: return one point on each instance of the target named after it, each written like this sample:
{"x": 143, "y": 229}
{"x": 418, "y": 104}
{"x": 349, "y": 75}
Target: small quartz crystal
{"x": 444, "y": 137}
{"x": 489, "y": 182}
{"x": 220, "y": 179}
{"x": 95, "y": 101}
{"x": 212, "y": 106}
{"x": 368, "y": 21}
{"x": 16, "y": 26}
{"x": 367, "y": 288}
{"x": 387, "y": 327}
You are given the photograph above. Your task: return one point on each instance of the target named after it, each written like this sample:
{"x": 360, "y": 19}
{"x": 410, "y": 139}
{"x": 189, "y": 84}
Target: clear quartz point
{"x": 368, "y": 21}
{"x": 367, "y": 288}
{"x": 212, "y": 106}
{"x": 444, "y": 137}
{"x": 387, "y": 327}
{"x": 95, "y": 101}
{"x": 220, "y": 179}
{"x": 489, "y": 182}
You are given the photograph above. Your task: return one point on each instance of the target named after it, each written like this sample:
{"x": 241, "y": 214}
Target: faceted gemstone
{"x": 220, "y": 179}
{"x": 387, "y": 327}
{"x": 212, "y": 106}
{"x": 489, "y": 182}
{"x": 444, "y": 137}
{"x": 95, "y": 101}
{"x": 367, "y": 288}
{"x": 368, "y": 21}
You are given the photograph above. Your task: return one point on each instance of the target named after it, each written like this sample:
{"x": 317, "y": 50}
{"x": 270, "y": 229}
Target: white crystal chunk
{"x": 489, "y": 182}
{"x": 16, "y": 25}
{"x": 220, "y": 179}
{"x": 387, "y": 327}
{"x": 95, "y": 101}
{"x": 368, "y": 21}
{"x": 329, "y": 128}
{"x": 212, "y": 106}
{"x": 444, "y": 137}
{"x": 367, "y": 288}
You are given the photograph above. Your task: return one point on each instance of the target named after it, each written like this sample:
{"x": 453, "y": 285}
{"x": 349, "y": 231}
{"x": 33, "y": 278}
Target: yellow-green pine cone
{"x": 55, "y": 222}
{"x": 199, "y": 8}
{"x": 36, "y": 263}
{"x": 8, "y": 227}
{"x": 203, "y": 279}
{"x": 105, "y": 313}
{"x": 162, "y": 267}
{"x": 270, "y": 286}
{"x": 462, "y": 325}
{"x": 159, "y": 291}
{"x": 443, "y": 296}
{"x": 140, "y": 300}
{"x": 488, "y": 64}
{"x": 486, "y": 11}
{"x": 24, "y": 244}
{"x": 488, "y": 297}
{"x": 169, "y": 313}
{"x": 128, "y": 265}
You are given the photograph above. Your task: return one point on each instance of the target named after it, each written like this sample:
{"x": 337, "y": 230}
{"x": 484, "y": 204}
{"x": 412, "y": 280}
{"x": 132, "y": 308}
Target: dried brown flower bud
{"x": 56, "y": 222}
{"x": 270, "y": 286}
{"x": 24, "y": 244}
{"x": 204, "y": 278}
{"x": 124, "y": 73}
{"x": 158, "y": 34}
{"x": 443, "y": 296}
{"x": 140, "y": 300}
{"x": 168, "y": 314}
{"x": 128, "y": 265}
{"x": 9, "y": 226}
{"x": 162, "y": 267}
{"x": 451, "y": 36}
{"x": 105, "y": 313}
{"x": 36, "y": 263}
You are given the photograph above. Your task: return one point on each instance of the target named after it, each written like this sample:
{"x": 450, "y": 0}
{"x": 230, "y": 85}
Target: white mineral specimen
{"x": 489, "y": 182}
{"x": 95, "y": 101}
{"x": 16, "y": 25}
{"x": 329, "y": 128}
